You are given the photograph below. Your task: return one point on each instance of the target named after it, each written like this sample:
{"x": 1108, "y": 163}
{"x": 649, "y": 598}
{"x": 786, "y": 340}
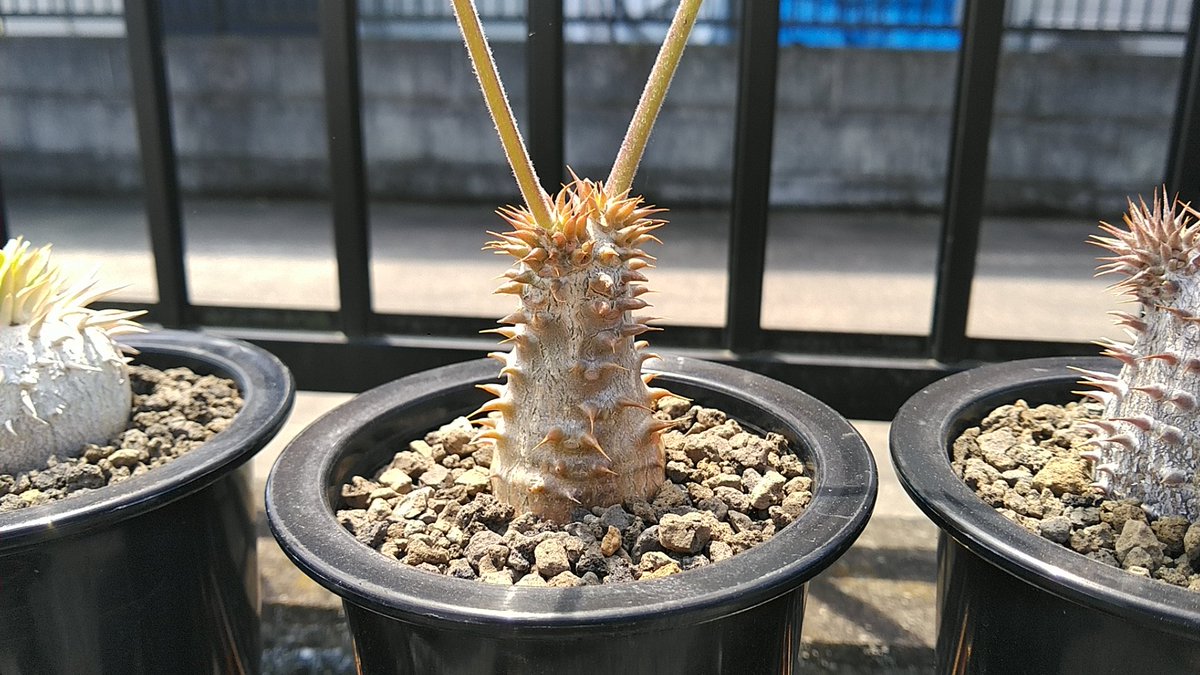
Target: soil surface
{"x": 1025, "y": 462}
{"x": 728, "y": 489}
{"x": 174, "y": 412}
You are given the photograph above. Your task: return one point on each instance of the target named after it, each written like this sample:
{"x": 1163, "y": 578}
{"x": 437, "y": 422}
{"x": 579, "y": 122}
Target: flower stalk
{"x": 502, "y": 116}
{"x": 620, "y": 179}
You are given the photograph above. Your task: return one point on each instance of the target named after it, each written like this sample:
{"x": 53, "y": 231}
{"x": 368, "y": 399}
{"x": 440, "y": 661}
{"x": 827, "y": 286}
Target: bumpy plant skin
{"x": 572, "y": 426}
{"x": 1148, "y": 445}
{"x": 63, "y": 380}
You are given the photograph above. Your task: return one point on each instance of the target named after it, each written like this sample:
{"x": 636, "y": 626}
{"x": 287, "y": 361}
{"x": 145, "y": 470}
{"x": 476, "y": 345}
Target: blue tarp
{"x": 879, "y": 24}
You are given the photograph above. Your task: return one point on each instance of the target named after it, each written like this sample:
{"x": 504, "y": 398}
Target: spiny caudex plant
{"x": 63, "y": 379}
{"x": 1148, "y": 443}
{"x": 572, "y": 425}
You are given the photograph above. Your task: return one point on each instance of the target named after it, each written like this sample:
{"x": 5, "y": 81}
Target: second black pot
{"x": 1008, "y": 600}
{"x": 157, "y": 574}
{"x": 740, "y": 616}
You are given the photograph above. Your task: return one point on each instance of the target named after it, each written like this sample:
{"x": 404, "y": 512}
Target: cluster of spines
{"x": 568, "y": 242}
{"x": 579, "y": 281}
{"x": 1146, "y": 446}
{"x": 546, "y": 256}
{"x": 1158, "y": 245}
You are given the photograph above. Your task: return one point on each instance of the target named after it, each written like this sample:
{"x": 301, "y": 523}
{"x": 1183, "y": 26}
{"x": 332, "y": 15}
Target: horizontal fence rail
{"x": 863, "y": 375}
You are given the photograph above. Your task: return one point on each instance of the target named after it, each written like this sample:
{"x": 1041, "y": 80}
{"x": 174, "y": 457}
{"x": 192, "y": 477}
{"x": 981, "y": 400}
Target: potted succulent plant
{"x": 148, "y": 565}
{"x": 1117, "y": 475}
{"x": 571, "y": 431}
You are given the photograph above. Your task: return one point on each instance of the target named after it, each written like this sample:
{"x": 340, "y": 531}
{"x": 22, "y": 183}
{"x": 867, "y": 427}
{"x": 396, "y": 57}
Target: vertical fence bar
{"x": 4, "y": 235}
{"x": 754, "y": 131}
{"x": 544, "y": 79}
{"x": 152, "y": 108}
{"x": 983, "y": 28}
{"x": 1168, "y": 13}
{"x": 1183, "y": 172}
{"x": 347, "y": 169}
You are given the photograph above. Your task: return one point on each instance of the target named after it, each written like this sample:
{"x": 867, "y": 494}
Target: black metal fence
{"x": 862, "y": 375}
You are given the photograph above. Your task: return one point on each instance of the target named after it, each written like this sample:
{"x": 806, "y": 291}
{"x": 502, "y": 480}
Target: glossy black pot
{"x": 157, "y": 574}
{"x": 1008, "y": 600}
{"x": 740, "y": 616}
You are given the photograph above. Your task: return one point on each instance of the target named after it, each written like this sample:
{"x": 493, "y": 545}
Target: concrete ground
{"x": 873, "y": 611}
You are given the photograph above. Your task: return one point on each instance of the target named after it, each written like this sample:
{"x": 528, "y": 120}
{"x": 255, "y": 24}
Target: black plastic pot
{"x": 157, "y": 574}
{"x": 740, "y": 616}
{"x": 1008, "y": 600}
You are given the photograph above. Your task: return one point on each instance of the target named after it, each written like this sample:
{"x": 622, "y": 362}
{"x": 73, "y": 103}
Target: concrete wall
{"x": 1073, "y": 131}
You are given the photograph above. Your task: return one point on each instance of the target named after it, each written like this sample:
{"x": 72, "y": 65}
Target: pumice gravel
{"x": 727, "y": 489}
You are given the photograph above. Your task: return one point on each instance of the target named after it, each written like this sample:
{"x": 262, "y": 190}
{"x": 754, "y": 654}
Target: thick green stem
{"x": 630, "y": 156}
{"x": 502, "y": 116}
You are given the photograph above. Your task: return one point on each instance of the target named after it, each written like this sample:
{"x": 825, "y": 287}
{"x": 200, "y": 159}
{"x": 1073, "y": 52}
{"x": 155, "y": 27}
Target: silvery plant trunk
{"x": 1149, "y": 443}
{"x": 573, "y": 424}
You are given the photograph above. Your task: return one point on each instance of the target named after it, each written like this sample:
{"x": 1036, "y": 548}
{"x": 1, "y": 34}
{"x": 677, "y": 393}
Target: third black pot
{"x": 1008, "y": 600}
{"x": 741, "y": 616}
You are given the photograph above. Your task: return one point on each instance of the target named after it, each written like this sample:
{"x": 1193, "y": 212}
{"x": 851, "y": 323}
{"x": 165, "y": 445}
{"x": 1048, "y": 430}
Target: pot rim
{"x": 845, "y": 487}
{"x": 267, "y": 389}
{"x": 923, "y": 432}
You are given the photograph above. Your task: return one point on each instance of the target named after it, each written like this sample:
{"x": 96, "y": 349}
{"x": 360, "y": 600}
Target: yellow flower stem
{"x": 620, "y": 179}
{"x": 502, "y": 116}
